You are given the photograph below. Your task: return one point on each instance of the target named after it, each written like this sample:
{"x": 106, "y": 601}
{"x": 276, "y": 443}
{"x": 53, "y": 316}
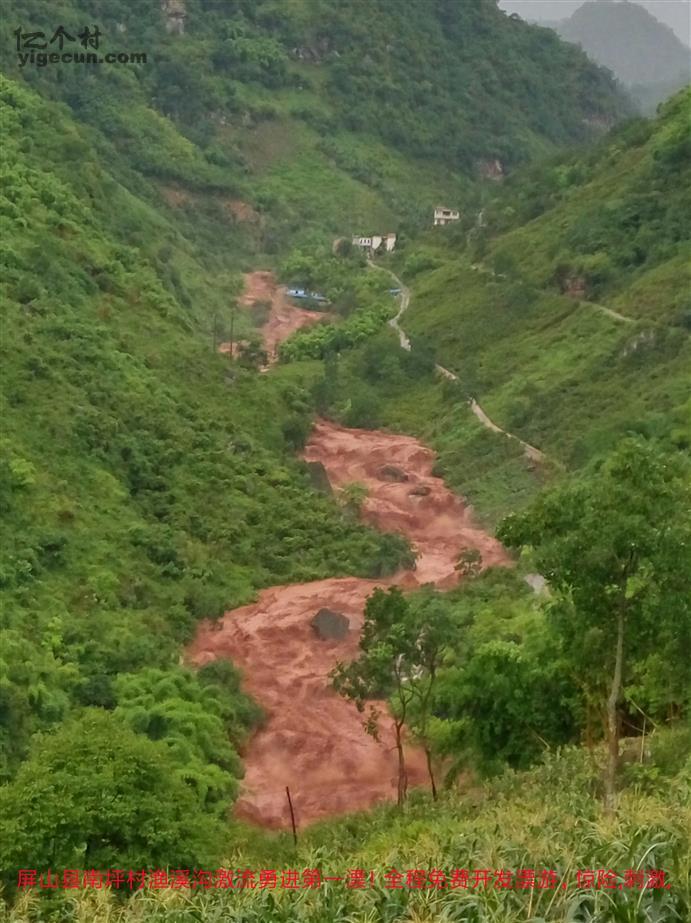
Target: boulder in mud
{"x": 329, "y": 625}
{"x": 392, "y": 473}
{"x": 319, "y": 479}
{"x": 421, "y": 490}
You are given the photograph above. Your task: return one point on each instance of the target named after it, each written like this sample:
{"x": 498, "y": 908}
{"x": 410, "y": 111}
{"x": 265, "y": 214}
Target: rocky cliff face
{"x": 175, "y": 13}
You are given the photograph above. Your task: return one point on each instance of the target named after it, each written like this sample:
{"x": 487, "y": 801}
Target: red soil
{"x": 313, "y": 740}
{"x": 285, "y": 318}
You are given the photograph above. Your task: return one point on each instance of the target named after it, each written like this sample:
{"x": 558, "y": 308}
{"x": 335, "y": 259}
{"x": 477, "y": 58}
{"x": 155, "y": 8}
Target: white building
{"x": 375, "y": 243}
{"x": 445, "y": 215}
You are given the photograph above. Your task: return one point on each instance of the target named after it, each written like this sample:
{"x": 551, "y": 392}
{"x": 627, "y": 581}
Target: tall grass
{"x": 549, "y": 818}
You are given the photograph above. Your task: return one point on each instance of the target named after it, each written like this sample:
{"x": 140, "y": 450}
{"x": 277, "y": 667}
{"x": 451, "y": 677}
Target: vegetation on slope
{"x": 145, "y": 481}
{"x": 522, "y": 305}
{"x": 532, "y": 821}
{"x": 316, "y": 114}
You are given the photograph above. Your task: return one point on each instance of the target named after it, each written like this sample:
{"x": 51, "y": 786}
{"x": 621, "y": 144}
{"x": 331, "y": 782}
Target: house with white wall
{"x": 376, "y": 243}
{"x": 443, "y": 215}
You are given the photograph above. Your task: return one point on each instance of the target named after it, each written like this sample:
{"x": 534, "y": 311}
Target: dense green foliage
{"x": 72, "y": 804}
{"x": 615, "y": 548}
{"x": 516, "y": 303}
{"x": 529, "y": 820}
{"x": 269, "y": 105}
{"x": 616, "y": 552}
{"x": 142, "y": 476}
{"x": 442, "y": 88}
{"x": 460, "y": 83}
{"x": 147, "y": 481}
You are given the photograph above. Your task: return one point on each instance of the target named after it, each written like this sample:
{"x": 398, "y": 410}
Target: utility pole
{"x": 292, "y": 817}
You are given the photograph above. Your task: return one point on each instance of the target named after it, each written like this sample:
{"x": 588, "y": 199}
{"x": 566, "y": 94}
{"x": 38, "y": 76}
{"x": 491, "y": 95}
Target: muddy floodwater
{"x": 313, "y": 740}
{"x": 284, "y": 317}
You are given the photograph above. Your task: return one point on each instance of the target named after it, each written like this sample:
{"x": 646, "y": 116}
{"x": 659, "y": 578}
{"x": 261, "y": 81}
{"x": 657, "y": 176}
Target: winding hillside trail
{"x": 583, "y": 302}
{"x": 610, "y": 312}
{"x": 530, "y": 451}
{"x": 284, "y": 317}
{"x": 313, "y": 739}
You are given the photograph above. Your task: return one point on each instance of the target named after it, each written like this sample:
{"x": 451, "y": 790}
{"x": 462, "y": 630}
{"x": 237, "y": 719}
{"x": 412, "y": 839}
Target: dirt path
{"x": 284, "y": 317}
{"x": 615, "y": 315}
{"x": 583, "y": 303}
{"x": 313, "y": 740}
{"x": 530, "y": 451}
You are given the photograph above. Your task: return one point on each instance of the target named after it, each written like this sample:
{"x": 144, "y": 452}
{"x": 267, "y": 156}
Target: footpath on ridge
{"x": 531, "y": 452}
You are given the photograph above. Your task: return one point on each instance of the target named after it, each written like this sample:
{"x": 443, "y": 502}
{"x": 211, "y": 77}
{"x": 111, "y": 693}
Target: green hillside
{"x": 320, "y": 118}
{"x": 565, "y": 313}
{"x": 147, "y": 482}
{"x": 136, "y": 464}
{"x": 530, "y": 821}
{"x": 141, "y": 475}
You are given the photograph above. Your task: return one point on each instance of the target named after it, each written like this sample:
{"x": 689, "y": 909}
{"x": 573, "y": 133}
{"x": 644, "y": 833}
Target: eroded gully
{"x": 313, "y": 740}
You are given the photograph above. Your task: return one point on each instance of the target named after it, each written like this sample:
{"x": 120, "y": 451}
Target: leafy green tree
{"x": 195, "y": 718}
{"x": 434, "y": 626}
{"x": 505, "y": 705}
{"x": 94, "y": 794}
{"x": 400, "y": 651}
{"x": 615, "y": 547}
{"x": 382, "y": 669}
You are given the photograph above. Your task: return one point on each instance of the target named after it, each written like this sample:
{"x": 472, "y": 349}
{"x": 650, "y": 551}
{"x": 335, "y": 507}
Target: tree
{"x": 94, "y": 794}
{"x": 505, "y": 704}
{"x": 400, "y": 650}
{"x": 433, "y": 625}
{"x": 198, "y": 720}
{"x": 615, "y": 548}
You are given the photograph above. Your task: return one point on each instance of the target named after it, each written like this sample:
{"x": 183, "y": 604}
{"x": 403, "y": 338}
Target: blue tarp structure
{"x": 301, "y": 293}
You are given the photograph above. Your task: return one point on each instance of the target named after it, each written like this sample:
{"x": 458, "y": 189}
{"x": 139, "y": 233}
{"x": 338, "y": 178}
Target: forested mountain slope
{"x": 564, "y": 308}
{"x": 143, "y": 480}
{"x": 134, "y": 195}
{"x": 319, "y": 115}
{"x": 147, "y": 482}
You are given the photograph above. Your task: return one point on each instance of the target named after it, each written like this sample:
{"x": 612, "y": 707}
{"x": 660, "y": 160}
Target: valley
{"x": 314, "y": 741}
{"x": 419, "y": 557}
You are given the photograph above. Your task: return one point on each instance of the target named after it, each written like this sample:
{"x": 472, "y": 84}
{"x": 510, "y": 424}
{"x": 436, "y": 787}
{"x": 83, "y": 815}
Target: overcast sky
{"x": 673, "y": 13}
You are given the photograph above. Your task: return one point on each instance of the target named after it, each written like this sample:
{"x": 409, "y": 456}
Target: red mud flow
{"x": 285, "y": 317}
{"x": 313, "y": 739}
